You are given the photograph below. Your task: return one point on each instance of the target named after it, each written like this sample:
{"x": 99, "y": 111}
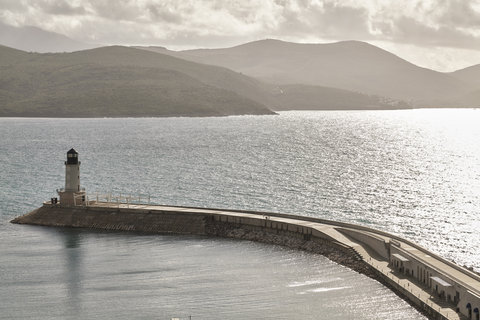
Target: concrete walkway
{"x": 409, "y": 285}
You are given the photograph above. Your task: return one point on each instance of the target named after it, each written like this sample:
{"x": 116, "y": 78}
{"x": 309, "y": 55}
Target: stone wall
{"x": 334, "y": 251}
{"x": 376, "y": 243}
{"x": 116, "y": 219}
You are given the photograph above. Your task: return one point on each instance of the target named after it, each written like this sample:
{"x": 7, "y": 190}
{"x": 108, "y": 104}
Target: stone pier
{"x": 438, "y": 288}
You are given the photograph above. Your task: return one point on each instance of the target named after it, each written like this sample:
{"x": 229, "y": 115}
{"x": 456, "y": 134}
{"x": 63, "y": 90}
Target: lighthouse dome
{"x": 72, "y": 156}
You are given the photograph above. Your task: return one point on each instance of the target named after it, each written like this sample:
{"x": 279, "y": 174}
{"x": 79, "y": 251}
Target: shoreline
{"x": 274, "y": 113}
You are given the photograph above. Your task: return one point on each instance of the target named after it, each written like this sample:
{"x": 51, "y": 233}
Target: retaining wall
{"x": 116, "y": 219}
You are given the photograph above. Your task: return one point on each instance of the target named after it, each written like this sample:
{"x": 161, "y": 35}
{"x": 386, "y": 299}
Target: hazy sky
{"x": 442, "y": 34}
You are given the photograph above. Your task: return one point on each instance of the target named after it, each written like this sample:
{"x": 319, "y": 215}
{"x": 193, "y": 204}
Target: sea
{"x": 414, "y": 173}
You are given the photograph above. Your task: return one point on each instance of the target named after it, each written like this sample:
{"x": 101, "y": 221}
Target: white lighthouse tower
{"x": 72, "y": 194}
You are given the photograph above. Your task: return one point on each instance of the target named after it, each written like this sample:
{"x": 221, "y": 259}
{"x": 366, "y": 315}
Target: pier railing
{"x": 63, "y": 190}
{"x": 111, "y": 199}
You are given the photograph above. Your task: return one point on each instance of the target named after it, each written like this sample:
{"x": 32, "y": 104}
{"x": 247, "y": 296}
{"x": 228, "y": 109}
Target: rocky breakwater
{"x": 294, "y": 238}
{"x": 295, "y": 234}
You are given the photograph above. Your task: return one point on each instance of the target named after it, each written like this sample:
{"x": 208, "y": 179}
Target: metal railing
{"x": 109, "y": 198}
{"x": 63, "y": 190}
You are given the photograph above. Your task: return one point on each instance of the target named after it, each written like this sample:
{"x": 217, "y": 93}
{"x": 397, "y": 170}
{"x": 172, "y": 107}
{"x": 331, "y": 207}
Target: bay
{"x": 415, "y": 173}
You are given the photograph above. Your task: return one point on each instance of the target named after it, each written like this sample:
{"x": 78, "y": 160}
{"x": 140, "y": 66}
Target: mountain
{"x": 349, "y": 65}
{"x": 472, "y": 99}
{"x": 119, "y": 81}
{"x": 469, "y": 75}
{"x": 9, "y": 56}
{"x": 305, "y": 97}
{"x": 34, "y": 39}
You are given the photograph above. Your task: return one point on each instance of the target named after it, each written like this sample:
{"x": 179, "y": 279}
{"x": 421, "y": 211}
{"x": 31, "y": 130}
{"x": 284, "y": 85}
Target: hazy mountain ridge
{"x": 38, "y": 40}
{"x": 267, "y": 74}
{"x": 349, "y": 65}
{"x": 212, "y": 75}
{"x": 304, "y": 97}
{"x": 469, "y": 75}
{"x": 115, "y": 81}
{"x": 121, "y": 81}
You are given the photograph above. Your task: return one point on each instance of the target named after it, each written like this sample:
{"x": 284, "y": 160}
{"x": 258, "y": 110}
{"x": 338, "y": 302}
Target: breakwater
{"x": 397, "y": 263}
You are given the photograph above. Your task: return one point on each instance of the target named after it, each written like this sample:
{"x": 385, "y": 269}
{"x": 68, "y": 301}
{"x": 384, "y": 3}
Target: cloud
{"x": 449, "y": 23}
{"x": 164, "y": 13}
{"x": 465, "y": 14}
{"x": 408, "y": 30}
{"x": 60, "y": 8}
{"x": 325, "y": 20}
{"x": 444, "y": 23}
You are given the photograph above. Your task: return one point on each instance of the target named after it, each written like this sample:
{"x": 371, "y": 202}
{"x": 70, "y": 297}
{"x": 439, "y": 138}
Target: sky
{"x": 443, "y": 35}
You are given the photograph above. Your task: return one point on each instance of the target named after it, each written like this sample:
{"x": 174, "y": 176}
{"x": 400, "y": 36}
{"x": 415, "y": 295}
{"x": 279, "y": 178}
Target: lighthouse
{"x": 72, "y": 194}
{"x": 72, "y": 171}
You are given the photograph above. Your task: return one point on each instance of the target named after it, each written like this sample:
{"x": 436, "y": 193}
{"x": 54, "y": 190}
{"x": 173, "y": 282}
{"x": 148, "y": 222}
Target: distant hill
{"x": 305, "y": 97}
{"x": 38, "y": 40}
{"x": 469, "y": 75}
{"x": 119, "y": 81}
{"x": 472, "y": 99}
{"x": 10, "y": 56}
{"x": 348, "y": 65}
{"x": 308, "y": 97}
{"x": 247, "y": 79}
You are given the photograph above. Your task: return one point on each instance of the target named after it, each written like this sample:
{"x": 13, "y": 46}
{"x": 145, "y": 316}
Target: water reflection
{"x": 73, "y": 267}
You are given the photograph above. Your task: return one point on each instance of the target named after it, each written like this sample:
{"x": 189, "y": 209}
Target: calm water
{"x": 415, "y": 173}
